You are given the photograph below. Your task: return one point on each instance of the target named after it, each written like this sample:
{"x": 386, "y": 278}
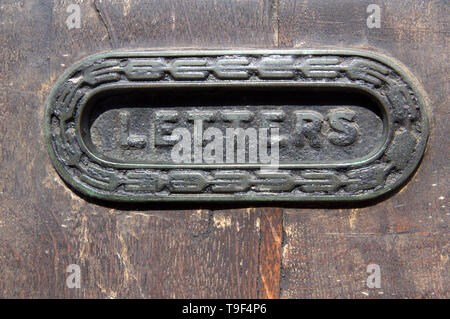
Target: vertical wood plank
{"x": 124, "y": 251}
{"x": 326, "y": 251}
{"x": 270, "y": 252}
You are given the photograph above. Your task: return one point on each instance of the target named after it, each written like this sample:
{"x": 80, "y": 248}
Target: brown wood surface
{"x": 194, "y": 251}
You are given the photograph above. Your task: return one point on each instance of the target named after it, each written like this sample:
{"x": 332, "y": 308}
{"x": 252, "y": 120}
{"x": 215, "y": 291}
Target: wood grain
{"x": 124, "y": 251}
{"x": 326, "y": 251}
{"x": 270, "y": 253}
{"x": 196, "y": 251}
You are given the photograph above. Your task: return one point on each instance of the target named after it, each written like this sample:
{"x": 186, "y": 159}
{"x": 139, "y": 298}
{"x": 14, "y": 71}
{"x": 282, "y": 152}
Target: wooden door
{"x": 214, "y": 250}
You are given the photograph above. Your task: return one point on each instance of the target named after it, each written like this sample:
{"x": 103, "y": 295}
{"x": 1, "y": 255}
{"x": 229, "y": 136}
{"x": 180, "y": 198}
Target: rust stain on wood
{"x": 270, "y": 252}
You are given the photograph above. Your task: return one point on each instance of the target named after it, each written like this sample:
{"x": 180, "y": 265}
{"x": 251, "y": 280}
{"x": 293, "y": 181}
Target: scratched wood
{"x": 270, "y": 252}
{"x": 326, "y": 251}
{"x": 195, "y": 251}
{"x": 124, "y": 251}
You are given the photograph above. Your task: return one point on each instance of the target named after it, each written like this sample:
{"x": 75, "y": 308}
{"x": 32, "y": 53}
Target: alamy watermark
{"x": 73, "y": 21}
{"x": 73, "y": 280}
{"x": 374, "y": 18}
{"x": 234, "y": 145}
{"x": 374, "y": 278}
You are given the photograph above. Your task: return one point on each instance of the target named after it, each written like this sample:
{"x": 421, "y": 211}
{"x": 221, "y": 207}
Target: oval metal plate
{"x": 348, "y": 125}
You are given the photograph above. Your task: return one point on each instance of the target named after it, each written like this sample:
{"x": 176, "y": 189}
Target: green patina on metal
{"x": 351, "y": 125}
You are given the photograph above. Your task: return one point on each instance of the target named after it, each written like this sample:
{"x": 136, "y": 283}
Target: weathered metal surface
{"x": 351, "y": 125}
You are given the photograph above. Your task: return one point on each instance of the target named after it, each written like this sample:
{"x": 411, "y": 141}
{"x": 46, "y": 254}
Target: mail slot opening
{"x": 134, "y": 127}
